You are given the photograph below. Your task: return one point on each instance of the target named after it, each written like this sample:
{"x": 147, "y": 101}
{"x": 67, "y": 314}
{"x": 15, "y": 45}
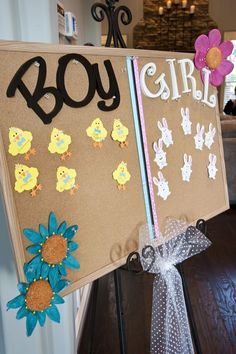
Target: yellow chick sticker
{"x": 121, "y": 175}
{"x": 20, "y": 143}
{"x": 120, "y": 133}
{"x": 66, "y": 180}
{"x": 97, "y": 132}
{"x": 26, "y": 179}
{"x": 59, "y": 144}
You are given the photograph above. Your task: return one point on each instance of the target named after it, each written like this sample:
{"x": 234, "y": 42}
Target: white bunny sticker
{"x": 209, "y": 136}
{"x": 187, "y": 168}
{"x": 160, "y": 157}
{"x": 186, "y": 123}
{"x": 198, "y": 138}
{"x": 162, "y": 185}
{"x": 212, "y": 166}
{"x": 165, "y": 132}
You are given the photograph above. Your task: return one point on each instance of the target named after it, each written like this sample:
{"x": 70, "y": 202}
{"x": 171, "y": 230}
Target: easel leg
{"x": 120, "y": 313}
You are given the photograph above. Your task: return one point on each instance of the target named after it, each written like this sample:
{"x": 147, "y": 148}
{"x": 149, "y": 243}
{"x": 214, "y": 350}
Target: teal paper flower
{"x": 53, "y": 246}
{"x": 38, "y": 298}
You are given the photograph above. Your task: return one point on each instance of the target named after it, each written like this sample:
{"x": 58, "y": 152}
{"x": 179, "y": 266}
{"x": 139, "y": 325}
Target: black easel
{"x": 113, "y": 14}
{"x": 99, "y": 10}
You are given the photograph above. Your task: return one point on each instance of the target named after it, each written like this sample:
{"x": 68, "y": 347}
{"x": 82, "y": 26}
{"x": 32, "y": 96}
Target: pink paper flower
{"x": 212, "y": 55}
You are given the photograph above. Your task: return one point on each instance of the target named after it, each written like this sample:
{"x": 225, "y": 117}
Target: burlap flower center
{"x": 54, "y": 249}
{"x": 214, "y": 58}
{"x": 39, "y": 295}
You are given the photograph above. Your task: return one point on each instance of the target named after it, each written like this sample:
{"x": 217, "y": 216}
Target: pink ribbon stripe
{"x": 145, "y": 144}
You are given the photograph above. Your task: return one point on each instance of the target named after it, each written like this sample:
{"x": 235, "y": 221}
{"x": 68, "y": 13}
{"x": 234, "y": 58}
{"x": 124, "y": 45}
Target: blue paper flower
{"x": 38, "y": 298}
{"x": 53, "y": 246}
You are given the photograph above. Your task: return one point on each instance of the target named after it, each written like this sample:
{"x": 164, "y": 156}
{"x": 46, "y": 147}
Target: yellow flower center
{"x": 39, "y": 295}
{"x": 213, "y": 58}
{"x": 54, "y": 249}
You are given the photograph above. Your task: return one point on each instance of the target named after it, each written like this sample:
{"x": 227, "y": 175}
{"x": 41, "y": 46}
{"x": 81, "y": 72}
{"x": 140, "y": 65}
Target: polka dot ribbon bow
{"x": 170, "y": 332}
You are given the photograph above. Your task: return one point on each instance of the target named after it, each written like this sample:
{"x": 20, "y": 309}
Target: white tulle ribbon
{"x": 170, "y": 332}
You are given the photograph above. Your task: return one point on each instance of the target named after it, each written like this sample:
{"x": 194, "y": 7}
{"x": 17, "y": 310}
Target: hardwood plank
{"x": 211, "y": 283}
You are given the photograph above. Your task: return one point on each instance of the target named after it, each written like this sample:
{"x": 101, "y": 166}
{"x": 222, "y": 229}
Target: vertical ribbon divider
{"x": 142, "y": 146}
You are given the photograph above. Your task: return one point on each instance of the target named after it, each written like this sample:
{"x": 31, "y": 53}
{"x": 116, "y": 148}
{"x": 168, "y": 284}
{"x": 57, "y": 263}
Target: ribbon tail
{"x": 170, "y": 331}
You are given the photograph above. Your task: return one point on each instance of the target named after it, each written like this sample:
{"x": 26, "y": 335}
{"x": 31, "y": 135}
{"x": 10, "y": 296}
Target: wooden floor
{"x": 211, "y": 284}
{"x": 211, "y": 281}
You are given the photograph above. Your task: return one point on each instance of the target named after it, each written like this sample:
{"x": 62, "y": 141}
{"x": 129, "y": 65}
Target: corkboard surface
{"x": 108, "y": 219}
{"x": 201, "y": 197}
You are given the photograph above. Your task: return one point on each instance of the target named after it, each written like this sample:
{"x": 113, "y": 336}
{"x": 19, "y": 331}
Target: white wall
{"x": 88, "y": 29}
{"x": 36, "y": 20}
{"x": 92, "y": 29}
{"x": 28, "y": 20}
{"x": 9, "y": 20}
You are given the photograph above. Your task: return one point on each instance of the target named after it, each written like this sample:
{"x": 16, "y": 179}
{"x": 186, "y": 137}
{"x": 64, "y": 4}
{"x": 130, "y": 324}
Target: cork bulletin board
{"x": 201, "y": 197}
{"x": 108, "y": 217}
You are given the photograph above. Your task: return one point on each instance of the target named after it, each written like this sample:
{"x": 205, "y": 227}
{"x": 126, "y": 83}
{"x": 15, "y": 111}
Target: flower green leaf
{"x": 71, "y": 231}
{"x": 62, "y": 228}
{"x": 35, "y": 261}
{"x": 45, "y": 270}
{"x": 52, "y": 223}
{"x": 72, "y": 246}
{"x": 30, "y": 269}
{"x": 22, "y": 312}
{"x": 34, "y": 249}
{"x": 61, "y": 285}
{"x": 53, "y": 314}
{"x": 43, "y": 231}
{"x": 41, "y": 318}
{"x": 62, "y": 269}
{"x": 18, "y": 301}
{"x": 22, "y": 288}
{"x": 32, "y": 236}
{"x": 29, "y": 273}
{"x": 53, "y": 276}
{"x": 57, "y": 300}
{"x": 71, "y": 262}
{"x": 31, "y": 322}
